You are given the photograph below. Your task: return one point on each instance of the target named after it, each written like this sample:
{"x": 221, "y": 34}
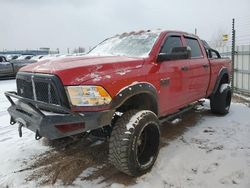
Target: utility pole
{"x": 195, "y": 31}
{"x": 233, "y": 53}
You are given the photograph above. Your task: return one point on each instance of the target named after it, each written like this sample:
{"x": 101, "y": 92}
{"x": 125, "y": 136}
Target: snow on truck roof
{"x": 158, "y": 31}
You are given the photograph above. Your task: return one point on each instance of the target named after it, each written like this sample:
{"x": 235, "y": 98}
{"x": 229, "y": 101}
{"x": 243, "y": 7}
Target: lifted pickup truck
{"x": 122, "y": 87}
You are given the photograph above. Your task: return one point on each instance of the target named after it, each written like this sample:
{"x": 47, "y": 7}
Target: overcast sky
{"x": 27, "y": 24}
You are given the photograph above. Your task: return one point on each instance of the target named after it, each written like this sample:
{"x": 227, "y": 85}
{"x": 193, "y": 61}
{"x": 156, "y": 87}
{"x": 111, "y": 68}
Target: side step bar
{"x": 181, "y": 111}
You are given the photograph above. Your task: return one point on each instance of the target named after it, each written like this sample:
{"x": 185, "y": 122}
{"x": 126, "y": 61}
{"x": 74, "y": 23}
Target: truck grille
{"x": 44, "y": 88}
{"x": 45, "y": 92}
{"x": 24, "y": 88}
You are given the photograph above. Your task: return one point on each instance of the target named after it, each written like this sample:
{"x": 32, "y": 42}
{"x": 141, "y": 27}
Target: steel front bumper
{"x": 53, "y": 121}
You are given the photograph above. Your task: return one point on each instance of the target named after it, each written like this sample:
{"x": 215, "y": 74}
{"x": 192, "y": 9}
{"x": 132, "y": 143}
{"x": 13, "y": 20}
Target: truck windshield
{"x": 131, "y": 45}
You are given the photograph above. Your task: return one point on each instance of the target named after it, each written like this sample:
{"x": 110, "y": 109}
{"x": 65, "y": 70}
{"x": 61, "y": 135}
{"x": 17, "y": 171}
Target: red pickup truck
{"x": 121, "y": 87}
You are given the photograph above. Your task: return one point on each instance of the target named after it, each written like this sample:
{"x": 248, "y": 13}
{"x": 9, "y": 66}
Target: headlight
{"x": 88, "y": 95}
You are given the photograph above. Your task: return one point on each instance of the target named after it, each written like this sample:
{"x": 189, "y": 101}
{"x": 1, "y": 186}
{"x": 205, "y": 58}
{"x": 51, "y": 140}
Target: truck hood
{"x": 78, "y": 69}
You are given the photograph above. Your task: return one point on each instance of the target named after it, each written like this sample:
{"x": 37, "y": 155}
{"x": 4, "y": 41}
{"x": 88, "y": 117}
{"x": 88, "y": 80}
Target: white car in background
{"x": 37, "y": 57}
{"x": 10, "y": 57}
{"x": 24, "y": 57}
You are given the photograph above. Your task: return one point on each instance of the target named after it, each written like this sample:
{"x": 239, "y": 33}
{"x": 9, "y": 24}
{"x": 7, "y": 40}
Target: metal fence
{"x": 241, "y": 67}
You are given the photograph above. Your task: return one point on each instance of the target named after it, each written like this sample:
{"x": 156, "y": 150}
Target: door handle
{"x": 184, "y": 68}
{"x": 205, "y": 66}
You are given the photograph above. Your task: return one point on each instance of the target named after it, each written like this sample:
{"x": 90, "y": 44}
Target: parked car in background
{"x": 50, "y": 56}
{"x": 37, "y": 57}
{"x": 10, "y": 57}
{"x": 12, "y": 63}
{"x": 6, "y": 68}
{"x": 24, "y": 57}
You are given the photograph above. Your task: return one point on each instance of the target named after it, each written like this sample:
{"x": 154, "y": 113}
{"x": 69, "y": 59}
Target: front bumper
{"x": 53, "y": 121}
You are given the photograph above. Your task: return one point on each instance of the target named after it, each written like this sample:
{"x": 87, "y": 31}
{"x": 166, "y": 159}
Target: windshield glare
{"x": 131, "y": 45}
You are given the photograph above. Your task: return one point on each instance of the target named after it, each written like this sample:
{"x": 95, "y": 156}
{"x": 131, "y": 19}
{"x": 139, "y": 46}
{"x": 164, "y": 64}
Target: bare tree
{"x": 217, "y": 39}
{"x": 79, "y": 50}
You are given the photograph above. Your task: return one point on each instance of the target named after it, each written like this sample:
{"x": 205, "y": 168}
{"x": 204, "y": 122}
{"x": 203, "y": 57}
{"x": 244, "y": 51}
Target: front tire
{"x": 134, "y": 142}
{"x": 220, "y": 102}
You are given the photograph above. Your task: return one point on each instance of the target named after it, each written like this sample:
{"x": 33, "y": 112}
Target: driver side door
{"x": 173, "y": 75}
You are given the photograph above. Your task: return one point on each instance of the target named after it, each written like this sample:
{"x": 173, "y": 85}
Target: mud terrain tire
{"x": 134, "y": 142}
{"x": 220, "y": 102}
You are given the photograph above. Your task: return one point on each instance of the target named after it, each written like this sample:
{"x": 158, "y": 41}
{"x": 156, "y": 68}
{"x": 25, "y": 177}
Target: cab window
{"x": 170, "y": 43}
{"x": 195, "y": 47}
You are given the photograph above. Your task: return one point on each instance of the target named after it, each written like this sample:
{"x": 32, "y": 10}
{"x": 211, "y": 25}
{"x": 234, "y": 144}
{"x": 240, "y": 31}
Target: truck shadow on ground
{"x": 69, "y": 157}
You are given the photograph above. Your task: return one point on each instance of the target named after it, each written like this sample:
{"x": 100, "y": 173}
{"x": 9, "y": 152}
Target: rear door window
{"x": 195, "y": 47}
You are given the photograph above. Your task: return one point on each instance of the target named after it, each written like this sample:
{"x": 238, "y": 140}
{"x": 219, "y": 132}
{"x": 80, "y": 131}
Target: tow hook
{"x": 20, "y": 125}
{"x": 38, "y": 136}
{"x": 12, "y": 121}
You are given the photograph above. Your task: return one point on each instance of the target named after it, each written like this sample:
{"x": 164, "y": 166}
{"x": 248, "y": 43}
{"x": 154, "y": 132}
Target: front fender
{"x": 134, "y": 89}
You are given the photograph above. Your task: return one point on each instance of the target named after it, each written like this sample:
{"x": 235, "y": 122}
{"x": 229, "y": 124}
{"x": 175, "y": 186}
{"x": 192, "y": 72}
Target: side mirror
{"x": 177, "y": 53}
{"x": 162, "y": 57}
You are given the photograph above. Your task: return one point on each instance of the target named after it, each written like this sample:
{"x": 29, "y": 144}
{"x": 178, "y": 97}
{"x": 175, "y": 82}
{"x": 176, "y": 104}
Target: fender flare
{"x": 223, "y": 71}
{"x": 132, "y": 90}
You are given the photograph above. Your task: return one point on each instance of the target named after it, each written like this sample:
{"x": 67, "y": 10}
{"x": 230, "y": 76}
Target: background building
{"x": 40, "y": 51}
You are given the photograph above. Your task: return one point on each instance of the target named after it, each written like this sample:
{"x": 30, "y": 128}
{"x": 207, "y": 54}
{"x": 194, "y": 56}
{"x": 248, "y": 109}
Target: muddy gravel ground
{"x": 71, "y": 156}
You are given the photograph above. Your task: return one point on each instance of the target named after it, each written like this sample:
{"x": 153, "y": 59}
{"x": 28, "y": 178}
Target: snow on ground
{"x": 13, "y": 150}
{"x": 215, "y": 152}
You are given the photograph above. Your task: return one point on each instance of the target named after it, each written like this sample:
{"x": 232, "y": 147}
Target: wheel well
{"x": 143, "y": 101}
{"x": 224, "y": 79}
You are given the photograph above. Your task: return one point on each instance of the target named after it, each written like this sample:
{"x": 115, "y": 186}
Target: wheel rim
{"x": 147, "y": 145}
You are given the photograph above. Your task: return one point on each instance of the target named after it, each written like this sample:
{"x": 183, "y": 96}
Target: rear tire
{"x": 134, "y": 142}
{"x": 220, "y": 102}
